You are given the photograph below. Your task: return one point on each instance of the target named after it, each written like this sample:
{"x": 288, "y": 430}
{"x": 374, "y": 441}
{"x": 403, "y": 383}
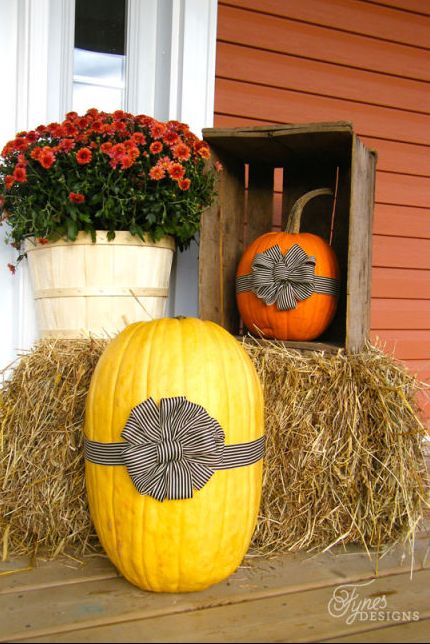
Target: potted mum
{"x": 101, "y": 201}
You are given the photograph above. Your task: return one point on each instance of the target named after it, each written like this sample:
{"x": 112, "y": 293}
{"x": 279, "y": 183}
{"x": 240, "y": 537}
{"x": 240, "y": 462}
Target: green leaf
{"x": 72, "y": 229}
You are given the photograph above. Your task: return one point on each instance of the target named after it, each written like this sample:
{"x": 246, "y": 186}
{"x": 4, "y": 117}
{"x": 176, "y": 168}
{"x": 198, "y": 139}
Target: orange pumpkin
{"x": 287, "y": 282}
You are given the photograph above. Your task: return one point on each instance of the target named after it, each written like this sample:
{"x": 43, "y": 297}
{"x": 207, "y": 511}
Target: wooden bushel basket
{"x": 82, "y": 288}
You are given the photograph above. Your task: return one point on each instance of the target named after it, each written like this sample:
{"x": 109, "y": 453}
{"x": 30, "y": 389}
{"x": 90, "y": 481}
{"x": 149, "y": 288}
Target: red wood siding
{"x": 286, "y": 61}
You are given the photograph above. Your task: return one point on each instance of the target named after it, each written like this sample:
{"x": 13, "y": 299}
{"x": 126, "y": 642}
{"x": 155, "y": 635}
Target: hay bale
{"x": 43, "y": 504}
{"x": 344, "y": 461}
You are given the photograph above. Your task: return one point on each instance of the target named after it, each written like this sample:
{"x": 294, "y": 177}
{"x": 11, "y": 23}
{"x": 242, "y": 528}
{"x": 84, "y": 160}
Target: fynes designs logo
{"x": 349, "y": 602}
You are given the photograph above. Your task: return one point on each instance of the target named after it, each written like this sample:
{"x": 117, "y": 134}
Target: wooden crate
{"x": 311, "y": 156}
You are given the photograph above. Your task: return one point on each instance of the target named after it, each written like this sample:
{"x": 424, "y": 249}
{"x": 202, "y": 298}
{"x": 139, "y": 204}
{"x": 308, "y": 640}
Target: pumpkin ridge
{"x": 146, "y": 335}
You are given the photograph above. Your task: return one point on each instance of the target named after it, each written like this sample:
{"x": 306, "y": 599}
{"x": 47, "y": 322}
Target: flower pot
{"x": 83, "y": 288}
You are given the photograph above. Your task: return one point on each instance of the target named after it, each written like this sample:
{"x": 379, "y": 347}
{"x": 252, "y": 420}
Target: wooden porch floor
{"x": 279, "y": 600}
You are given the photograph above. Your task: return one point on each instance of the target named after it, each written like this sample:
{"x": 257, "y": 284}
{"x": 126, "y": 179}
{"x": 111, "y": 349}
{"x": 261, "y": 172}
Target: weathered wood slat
{"x": 259, "y": 209}
{"x": 91, "y": 604}
{"x": 393, "y": 156}
{"x": 221, "y": 245}
{"x": 360, "y": 246}
{"x": 408, "y": 633}
{"x": 50, "y": 574}
{"x": 285, "y": 618}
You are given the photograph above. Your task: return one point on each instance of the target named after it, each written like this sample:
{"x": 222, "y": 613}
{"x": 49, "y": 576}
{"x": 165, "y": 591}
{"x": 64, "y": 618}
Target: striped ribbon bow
{"x": 172, "y": 449}
{"x": 285, "y": 279}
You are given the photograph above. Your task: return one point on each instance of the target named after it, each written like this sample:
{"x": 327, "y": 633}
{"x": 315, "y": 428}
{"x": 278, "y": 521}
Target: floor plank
{"x": 62, "y": 596}
{"x": 297, "y": 617}
{"x": 21, "y": 576}
{"x": 93, "y": 602}
{"x": 412, "y": 632}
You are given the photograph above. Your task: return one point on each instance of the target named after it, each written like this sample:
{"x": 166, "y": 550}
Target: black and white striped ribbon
{"x": 285, "y": 279}
{"x": 173, "y": 449}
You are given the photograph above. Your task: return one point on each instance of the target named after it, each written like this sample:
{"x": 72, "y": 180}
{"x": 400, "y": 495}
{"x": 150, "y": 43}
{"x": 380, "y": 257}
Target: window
{"x": 99, "y": 55}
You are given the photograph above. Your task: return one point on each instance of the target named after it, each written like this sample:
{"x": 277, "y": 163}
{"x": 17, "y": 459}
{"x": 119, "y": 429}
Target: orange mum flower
{"x": 171, "y": 137}
{"x": 156, "y": 147}
{"x": 9, "y": 181}
{"x": 83, "y": 156}
{"x": 20, "y": 173}
{"x": 202, "y": 149}
{"x": 176, "y": 171}
{"x": 46, "y": 158}
{"x": 184, "y": 184}
{"x": 157, "y": 129}
{"x": 139, "y": 138}
{"x": 181, "y": 151}
{"x": 156, "y": 173}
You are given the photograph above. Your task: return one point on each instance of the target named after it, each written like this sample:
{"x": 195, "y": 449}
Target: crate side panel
{"x": 221, "y": 246}
{"x": 360, "y": 246}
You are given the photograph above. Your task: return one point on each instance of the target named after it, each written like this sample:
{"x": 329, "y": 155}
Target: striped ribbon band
{"x": 285, "y": 279}
{"x": 173, "y": 449}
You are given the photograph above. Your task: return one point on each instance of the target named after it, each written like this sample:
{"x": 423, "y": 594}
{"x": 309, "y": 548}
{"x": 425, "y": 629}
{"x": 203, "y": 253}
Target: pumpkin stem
{"x": 295, "y": 216}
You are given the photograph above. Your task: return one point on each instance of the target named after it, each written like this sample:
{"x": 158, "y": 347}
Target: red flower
{"x": 218, "y": 166}
{"x": 32, "y": 136}
{"x": 20, "y": 173}
{"x": 21, "y": 143}
{"x": 42, "y": 240}
{"x": 139, "y": 138}
{"x": 9, "y": 181}
{"x": 117, "y": 151}
{"x": 176, "y": 171}
{"x": 126, "y": 161}
{"x": 35, "y": 153}
{"x": 118, "y": 115}
{"x": 156, "y": 147}
{"x": 93, "y": 112}
{"x": 157, "y": 129}
{"x": 184, "y": 184}
{"x": 202, "y": 149}
{"x": 106, "y": 147}
{"x": 76, "y": 197}
{"x": 12, "y": 268}
{"x": 144, "y": 120}
{"x": 157, "y": 173}
{"x": 181, "y": 151}
{"x": 66, "y": 145}
{"x": 46, "y": 157}
{"x": 83, "y": 156}
{"x": 171, "y": 137}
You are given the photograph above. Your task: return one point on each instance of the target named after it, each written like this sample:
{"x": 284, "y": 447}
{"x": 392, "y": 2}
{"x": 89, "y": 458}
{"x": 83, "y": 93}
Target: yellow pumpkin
{"x": 186, "y": 544}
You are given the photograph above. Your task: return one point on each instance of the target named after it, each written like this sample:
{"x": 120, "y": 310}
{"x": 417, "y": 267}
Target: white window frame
{"x": 170, "y": 73}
